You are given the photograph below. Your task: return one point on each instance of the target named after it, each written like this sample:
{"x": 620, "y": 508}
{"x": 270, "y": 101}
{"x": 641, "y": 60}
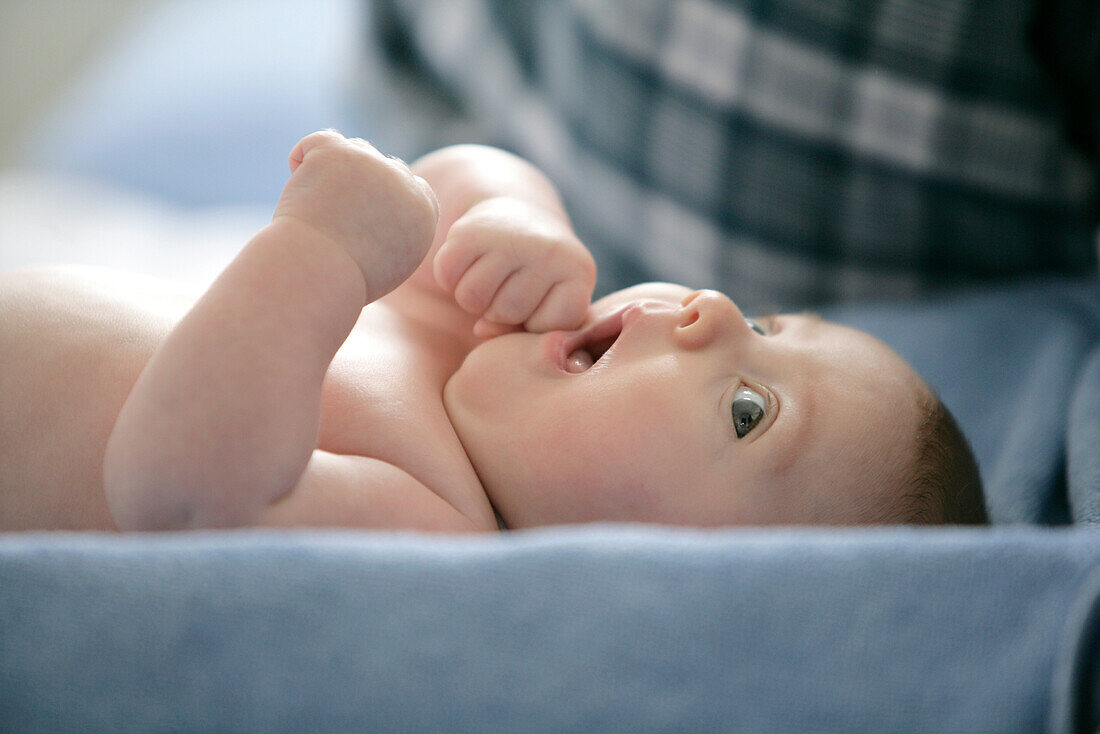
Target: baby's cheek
{"x": 614, "y": 482}
{"x": 628, "y": 499}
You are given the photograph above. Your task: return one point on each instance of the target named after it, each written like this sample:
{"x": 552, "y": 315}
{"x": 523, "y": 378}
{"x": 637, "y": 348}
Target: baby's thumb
{"x": 308, "y": 143}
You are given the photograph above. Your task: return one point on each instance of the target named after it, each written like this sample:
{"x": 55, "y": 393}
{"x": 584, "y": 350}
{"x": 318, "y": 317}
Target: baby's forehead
{"x": 852, "y": 350}
{"x": 855, "y": 467}
{"x": 864, "y": 403}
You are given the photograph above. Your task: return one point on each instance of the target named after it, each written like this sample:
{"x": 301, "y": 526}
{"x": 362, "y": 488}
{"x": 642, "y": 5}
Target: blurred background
{"x": 43, "y": 46}
{"x": 84, "y": 78}
{"x": 751, "y": 147}
{"x": 128, "y": 126}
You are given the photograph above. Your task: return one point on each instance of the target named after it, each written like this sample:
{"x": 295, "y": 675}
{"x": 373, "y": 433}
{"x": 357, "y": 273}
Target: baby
{"x": 416, "y": 348}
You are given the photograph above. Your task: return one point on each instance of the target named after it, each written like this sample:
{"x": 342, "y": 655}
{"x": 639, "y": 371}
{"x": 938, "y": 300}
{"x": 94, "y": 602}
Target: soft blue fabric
{"x": 1083, "y": 448}
{"x": 597, "y": 629}
{"x": 1076, "y": 691}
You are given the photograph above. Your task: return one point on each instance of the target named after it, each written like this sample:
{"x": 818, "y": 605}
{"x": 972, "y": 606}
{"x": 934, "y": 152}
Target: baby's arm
{"x": 223, "y": 420}
{"x": 504, "y": 248}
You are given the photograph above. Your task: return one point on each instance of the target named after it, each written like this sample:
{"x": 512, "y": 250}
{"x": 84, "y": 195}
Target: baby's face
{"x": 689, "y": 415}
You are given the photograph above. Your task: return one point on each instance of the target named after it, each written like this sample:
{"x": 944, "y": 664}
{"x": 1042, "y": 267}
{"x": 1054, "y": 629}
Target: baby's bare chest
{"x": 383, "y": 398}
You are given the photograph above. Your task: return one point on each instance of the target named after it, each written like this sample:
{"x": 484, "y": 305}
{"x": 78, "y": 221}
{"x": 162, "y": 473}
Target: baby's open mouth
{"x": 594, "y": 343}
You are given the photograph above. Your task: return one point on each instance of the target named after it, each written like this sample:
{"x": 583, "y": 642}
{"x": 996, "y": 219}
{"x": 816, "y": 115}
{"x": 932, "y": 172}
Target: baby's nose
{"x": 707, "y": 315}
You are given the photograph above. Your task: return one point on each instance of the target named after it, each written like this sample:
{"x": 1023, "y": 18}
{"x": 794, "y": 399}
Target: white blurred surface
{"x": 52, "y": 218}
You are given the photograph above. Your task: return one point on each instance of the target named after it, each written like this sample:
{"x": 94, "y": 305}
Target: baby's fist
{"x": 515, "y": 264}
{"x": 370, "y": 205}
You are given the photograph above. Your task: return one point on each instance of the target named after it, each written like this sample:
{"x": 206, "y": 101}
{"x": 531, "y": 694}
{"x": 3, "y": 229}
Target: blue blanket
{"x": 596, "y": 629}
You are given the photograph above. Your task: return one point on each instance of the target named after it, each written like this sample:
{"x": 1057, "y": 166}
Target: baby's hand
{"x": 370, "y": 205}
{"x": 512, "y": 264}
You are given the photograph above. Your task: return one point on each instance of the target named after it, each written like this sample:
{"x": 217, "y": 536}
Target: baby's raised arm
{"x": 504, "y": 248}
{"x": 223, "y": 420}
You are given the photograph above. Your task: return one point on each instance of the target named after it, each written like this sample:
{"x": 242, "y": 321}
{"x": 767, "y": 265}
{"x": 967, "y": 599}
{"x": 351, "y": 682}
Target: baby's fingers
{"x": 518, "y": 297}
{"x": 454, "y": 258}
{"x": 564, "y": 307}
{"x": 478, "y": 285}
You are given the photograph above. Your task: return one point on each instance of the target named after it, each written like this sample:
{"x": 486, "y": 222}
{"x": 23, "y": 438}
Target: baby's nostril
{"x": 689, "y": 318}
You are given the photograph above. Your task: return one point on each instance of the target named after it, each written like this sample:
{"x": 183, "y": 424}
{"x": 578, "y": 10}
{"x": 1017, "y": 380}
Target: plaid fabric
{"x": 788, "y": 152}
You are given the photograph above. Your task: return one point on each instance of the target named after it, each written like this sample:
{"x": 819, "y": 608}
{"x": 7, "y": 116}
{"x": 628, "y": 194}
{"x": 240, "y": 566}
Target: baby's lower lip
{"x": 553, "y": 348}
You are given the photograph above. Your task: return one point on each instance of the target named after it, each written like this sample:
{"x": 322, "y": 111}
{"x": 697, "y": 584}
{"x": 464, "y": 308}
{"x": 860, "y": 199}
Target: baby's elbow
{"x": 135, "y": 493}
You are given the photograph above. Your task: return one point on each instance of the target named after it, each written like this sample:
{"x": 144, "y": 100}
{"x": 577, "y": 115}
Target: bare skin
{"x": 418, "y": 349}
{"x": 281, "y": 341}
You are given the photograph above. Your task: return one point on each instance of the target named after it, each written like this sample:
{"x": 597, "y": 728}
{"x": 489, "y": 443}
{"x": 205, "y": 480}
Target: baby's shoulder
{"x": 383, "y": 399}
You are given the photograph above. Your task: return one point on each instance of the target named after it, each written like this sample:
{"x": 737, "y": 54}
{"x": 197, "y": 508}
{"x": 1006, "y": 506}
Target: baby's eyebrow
{"x": 766, "y": 315}
{"x": 812, "y": 319}
{"x": 773, "y": 312}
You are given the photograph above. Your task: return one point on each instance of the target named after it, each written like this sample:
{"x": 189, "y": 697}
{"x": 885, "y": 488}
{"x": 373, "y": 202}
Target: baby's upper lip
{"x": 605, "y": 327}
{"x": 605, "y": 332}
{"x": 608, "y": 326}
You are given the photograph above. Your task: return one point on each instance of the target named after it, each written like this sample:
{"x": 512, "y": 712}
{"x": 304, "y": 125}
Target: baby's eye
{"x": 748, "y": 410}
{"x": 757, "y": 327}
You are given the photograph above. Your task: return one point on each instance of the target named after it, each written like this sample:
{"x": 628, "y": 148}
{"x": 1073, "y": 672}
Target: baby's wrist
{"x": 314, "y": 247}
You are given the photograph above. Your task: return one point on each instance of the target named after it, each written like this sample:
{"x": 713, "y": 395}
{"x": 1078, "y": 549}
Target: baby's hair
{"x": 945, "y": 487}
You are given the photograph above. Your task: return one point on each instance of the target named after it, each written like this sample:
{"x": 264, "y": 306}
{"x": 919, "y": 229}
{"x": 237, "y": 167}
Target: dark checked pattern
{"x": 787, "y": 152}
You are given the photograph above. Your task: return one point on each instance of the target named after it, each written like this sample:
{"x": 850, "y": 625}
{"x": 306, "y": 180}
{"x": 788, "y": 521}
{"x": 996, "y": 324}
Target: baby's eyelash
{"x": 769, "y": 321}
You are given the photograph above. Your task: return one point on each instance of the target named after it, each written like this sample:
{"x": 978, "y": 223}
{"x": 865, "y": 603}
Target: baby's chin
{"x": 502, "y": 354}
{"x": 489, "y": 377}
{"x": 486, "y": 398}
